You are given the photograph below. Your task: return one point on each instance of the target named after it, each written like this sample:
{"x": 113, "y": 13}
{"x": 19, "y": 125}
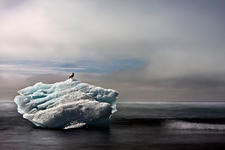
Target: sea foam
{"x": 185, "y": 125}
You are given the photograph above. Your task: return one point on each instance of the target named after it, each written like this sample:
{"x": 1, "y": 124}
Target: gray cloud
{"x": 181, "y": 42}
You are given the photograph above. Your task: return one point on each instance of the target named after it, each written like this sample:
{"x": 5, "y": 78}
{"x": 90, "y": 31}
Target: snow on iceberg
{"x": 67, "y": 104}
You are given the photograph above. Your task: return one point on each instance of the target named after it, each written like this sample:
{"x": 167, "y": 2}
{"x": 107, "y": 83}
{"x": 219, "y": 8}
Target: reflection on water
{"x": 140, "y": 133}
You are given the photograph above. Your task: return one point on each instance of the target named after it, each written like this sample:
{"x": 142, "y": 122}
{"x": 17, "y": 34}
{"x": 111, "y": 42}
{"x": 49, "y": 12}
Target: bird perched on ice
{"x": 71, "y": 76}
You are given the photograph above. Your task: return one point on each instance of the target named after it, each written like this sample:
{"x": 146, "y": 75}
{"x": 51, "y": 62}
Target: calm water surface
{"x": 154, "y": 125}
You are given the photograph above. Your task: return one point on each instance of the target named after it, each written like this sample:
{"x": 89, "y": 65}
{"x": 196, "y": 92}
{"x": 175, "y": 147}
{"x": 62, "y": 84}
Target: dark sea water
{"x": 143, "y": 125}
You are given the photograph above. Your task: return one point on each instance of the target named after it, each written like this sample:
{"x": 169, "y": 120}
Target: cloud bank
{"x": 149, "y": 50}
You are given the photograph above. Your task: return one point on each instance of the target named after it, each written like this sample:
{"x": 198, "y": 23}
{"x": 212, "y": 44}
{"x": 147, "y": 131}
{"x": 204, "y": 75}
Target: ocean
{"x": 136, "y": 125}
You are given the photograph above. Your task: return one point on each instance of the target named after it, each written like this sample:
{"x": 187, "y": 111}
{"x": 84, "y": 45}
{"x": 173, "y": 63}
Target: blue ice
{"x": 67, "y": 104}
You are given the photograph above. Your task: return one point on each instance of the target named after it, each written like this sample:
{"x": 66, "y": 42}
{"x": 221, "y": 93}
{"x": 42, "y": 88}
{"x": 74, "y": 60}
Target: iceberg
{"x": 67, "y": 104}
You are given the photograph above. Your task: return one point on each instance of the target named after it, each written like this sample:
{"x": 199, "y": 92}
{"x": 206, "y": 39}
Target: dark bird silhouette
{"x": 71, "y": 76}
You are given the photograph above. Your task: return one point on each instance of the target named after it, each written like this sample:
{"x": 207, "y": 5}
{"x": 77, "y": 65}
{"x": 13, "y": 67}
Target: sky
{"x": 165, "y": 50}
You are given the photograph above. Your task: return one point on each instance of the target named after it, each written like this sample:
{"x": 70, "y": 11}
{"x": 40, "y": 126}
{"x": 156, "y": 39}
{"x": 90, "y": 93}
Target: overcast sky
{"x": 147, "y": 50}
